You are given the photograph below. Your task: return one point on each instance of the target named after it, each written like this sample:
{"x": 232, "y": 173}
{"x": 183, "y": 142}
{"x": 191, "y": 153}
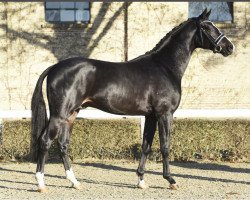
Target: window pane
{"x": 86, "y": 15}
{"x": 82, "y": 5}
{"x": 52, "y": 15}
{"x": 67, "y": 15}
{"x": 68, "y": 5}
{"x": 67, "y": 11}
{"x": 52, "y": 5}
{"x": 220, "y": 10}
{"x": 82, "y": 15}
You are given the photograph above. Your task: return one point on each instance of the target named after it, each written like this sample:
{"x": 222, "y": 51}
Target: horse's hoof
{"x": 142, "y": 186}
{"x": 174, "y": 186}
{"x": 77, "y": 186}
{"x": 42, "y": 189}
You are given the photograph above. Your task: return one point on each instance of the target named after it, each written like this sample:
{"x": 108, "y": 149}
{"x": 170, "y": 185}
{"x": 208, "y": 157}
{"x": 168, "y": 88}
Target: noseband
{"x": 215, "y": 41}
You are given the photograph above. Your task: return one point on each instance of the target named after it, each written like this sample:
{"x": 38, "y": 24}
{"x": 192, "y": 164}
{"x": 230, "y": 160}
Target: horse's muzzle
{"x": 230, "y": 49}
{"x": 225, "y": 51}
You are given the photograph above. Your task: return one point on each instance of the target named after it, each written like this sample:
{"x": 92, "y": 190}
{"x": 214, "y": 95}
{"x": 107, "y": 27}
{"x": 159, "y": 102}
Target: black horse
{"x": 149, "y": 85}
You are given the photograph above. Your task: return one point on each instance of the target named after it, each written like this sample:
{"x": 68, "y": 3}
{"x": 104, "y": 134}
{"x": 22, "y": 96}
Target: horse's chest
{"x": 166, "y": 100}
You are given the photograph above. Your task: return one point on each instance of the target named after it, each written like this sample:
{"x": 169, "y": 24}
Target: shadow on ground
{"x": 190, "y": 165}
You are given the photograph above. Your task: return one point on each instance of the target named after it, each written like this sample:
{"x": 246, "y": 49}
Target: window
{"x": 59, "y": 12}
{"x": 221, "y": 11}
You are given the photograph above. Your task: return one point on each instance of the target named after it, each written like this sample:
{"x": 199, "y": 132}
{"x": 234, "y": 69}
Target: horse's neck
{"x": 176, "y": 53}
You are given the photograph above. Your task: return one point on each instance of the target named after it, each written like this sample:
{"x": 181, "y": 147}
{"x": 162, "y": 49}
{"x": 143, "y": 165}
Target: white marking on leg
{"x": 70, "y": 176}
{"x": 141, "y": 184}
{"x": 40, "y": 179}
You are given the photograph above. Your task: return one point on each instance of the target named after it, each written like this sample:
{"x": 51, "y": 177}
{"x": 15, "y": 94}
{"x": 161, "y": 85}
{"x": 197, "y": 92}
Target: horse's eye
{"x": 207, "y": 29}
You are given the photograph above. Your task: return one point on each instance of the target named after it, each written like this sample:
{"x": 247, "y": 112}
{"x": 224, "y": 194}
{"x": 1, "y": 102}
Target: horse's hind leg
{"x": 148, "y": 135}
{"x": 45, "y": 142}
{"x": 63, "y": 141}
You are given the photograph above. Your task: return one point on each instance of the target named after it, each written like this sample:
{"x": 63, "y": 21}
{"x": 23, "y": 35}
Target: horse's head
{"x": 210, "y": 37}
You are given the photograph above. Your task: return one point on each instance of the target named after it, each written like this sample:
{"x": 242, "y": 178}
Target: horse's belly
{"x": 122, "y": 105}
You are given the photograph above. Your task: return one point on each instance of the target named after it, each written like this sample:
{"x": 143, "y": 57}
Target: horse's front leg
{"x": 148, "y": 135}
{"x": 164, "y": 123}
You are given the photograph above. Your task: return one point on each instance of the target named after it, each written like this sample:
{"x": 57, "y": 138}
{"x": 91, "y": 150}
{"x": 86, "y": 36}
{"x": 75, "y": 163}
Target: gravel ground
{"x": 117, "y": 180}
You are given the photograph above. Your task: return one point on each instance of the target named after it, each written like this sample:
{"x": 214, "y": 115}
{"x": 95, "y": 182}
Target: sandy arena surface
{"x": 117, "y": 180}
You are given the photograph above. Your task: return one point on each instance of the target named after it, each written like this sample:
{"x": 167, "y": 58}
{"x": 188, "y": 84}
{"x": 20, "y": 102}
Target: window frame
{"x": 231, "y": 11}
{"x": 75, "y": 22}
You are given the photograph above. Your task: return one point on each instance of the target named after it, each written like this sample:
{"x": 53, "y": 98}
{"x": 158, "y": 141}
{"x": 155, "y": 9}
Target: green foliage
{"x": 226, "y": 140}
{"x": 16, "y": 139}
{"x": 104, "y": 138}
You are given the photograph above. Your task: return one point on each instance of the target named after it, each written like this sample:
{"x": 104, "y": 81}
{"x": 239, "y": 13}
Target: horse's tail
{"x": 39, "y": 118}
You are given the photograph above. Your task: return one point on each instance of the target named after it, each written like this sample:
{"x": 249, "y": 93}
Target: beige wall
{"x": 28, "y": 45}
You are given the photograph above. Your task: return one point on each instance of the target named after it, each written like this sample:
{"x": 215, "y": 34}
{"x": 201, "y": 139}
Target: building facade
{"x": 119, "y": 31}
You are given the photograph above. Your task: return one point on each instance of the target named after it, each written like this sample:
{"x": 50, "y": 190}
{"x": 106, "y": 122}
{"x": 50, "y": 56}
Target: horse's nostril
{"x": 230, "y": 48}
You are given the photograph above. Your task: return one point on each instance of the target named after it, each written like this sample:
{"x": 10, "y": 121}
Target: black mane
{"x": 165, "y": 39}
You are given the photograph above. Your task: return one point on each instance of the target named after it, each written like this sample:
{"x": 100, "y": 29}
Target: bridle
{"x": 215, "y": 41}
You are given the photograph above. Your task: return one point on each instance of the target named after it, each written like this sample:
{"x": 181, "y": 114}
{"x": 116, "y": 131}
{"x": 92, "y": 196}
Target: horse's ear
{"x": 204, "y": 15}
{"x": 207, "y": 15}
